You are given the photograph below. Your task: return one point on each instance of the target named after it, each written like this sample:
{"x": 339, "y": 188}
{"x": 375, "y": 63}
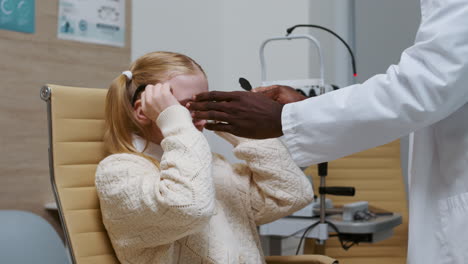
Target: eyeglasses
{"x": 142, "y": 87}
{"x": 138, "y": 91}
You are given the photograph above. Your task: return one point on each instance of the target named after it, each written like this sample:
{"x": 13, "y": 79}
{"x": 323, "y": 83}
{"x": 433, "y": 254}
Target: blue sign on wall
{"x": 17, "y": 15}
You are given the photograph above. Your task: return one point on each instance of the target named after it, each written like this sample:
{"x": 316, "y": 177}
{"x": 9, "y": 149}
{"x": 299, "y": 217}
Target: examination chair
{"x": 76, "y": 126}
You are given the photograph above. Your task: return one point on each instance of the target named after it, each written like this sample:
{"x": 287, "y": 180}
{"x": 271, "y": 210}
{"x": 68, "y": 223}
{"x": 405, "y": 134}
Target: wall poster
{"x": 92, "y": 21}
{"x": 17, "y": 15}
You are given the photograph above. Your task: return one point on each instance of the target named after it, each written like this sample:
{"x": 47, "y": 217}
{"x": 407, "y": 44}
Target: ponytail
{"x": 120, "y": 124}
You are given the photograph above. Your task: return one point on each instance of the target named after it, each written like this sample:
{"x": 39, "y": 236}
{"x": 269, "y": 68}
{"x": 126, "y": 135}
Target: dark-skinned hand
{"x": 280, "y": 93}
{"x": 244, "y": 114}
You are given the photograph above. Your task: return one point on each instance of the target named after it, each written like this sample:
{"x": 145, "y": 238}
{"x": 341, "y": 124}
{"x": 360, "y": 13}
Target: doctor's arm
{"x": 428, "y": 84}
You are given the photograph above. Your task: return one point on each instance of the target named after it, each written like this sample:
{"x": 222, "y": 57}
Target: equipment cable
{"x": 353, "y": 61}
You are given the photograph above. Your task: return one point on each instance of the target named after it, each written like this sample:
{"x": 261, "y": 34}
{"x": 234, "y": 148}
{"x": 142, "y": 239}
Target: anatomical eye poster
{"x": 92, "y": 21}
{"x": 17, "y": 15}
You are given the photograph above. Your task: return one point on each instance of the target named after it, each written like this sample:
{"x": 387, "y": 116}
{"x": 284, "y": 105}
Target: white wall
{"x": 336, "y": 15}
{"x": 224, "y": 37}
{"x": 383, "y": 30}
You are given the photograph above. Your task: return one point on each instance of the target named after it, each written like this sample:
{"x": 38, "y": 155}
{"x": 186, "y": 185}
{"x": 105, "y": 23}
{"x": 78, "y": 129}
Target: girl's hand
{"x": 156, "y": 98}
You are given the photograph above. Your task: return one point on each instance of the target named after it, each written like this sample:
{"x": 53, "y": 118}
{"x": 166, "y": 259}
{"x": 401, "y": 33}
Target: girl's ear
{"x": 139, "y": 115}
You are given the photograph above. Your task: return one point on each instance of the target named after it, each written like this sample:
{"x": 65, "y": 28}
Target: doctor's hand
{"x": 281, "y": 94}
{"x": 244, "y": 114}
{"x": 156, "y": 98}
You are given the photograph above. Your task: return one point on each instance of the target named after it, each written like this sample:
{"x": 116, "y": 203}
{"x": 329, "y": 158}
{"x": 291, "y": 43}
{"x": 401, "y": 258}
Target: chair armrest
{"x": 301, "y": 259}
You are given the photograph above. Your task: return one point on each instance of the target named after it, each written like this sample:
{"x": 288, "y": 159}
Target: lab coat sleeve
{"x": 429, "y": 83}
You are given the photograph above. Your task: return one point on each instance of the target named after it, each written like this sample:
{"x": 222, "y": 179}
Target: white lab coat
{"x": 426, "y": 93}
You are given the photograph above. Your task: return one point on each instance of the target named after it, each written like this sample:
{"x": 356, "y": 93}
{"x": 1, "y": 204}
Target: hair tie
{"x": 128, "y": 74}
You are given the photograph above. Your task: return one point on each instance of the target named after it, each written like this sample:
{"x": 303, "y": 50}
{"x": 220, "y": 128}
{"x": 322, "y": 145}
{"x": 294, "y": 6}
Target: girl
{"x": 165, "y": 198}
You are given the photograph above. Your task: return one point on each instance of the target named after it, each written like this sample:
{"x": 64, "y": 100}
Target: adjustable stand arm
{"x": 323, "y": 190}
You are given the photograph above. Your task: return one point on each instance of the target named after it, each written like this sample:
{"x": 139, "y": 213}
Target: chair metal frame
{"x": 46, "y": 96}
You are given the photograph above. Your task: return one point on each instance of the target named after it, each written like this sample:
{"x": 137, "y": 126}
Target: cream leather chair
{"x": 76, "y": 126}
{"x": 376, "y": 174}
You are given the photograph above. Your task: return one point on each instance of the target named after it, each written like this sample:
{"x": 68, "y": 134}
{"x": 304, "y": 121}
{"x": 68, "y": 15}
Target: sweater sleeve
{"x": 277, "y": 186}
{"x": 144, "y": 206}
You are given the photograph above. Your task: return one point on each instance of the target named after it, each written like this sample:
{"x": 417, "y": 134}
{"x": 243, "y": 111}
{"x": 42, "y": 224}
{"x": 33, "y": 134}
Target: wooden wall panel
{"x": 27, "y": 62}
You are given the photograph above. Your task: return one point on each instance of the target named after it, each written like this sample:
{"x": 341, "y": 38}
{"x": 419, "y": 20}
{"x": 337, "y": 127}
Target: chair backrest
{"x": 376, "y": 174}
{"x": 76, "y": 128}
{"x": 27, "y": 238}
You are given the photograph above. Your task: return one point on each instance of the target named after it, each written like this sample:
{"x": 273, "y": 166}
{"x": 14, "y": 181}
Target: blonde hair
{"x": 152, "y": 68}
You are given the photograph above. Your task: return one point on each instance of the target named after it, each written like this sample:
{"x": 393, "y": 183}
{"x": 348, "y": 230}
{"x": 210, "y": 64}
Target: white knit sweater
{"x": 197, "y": 208}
